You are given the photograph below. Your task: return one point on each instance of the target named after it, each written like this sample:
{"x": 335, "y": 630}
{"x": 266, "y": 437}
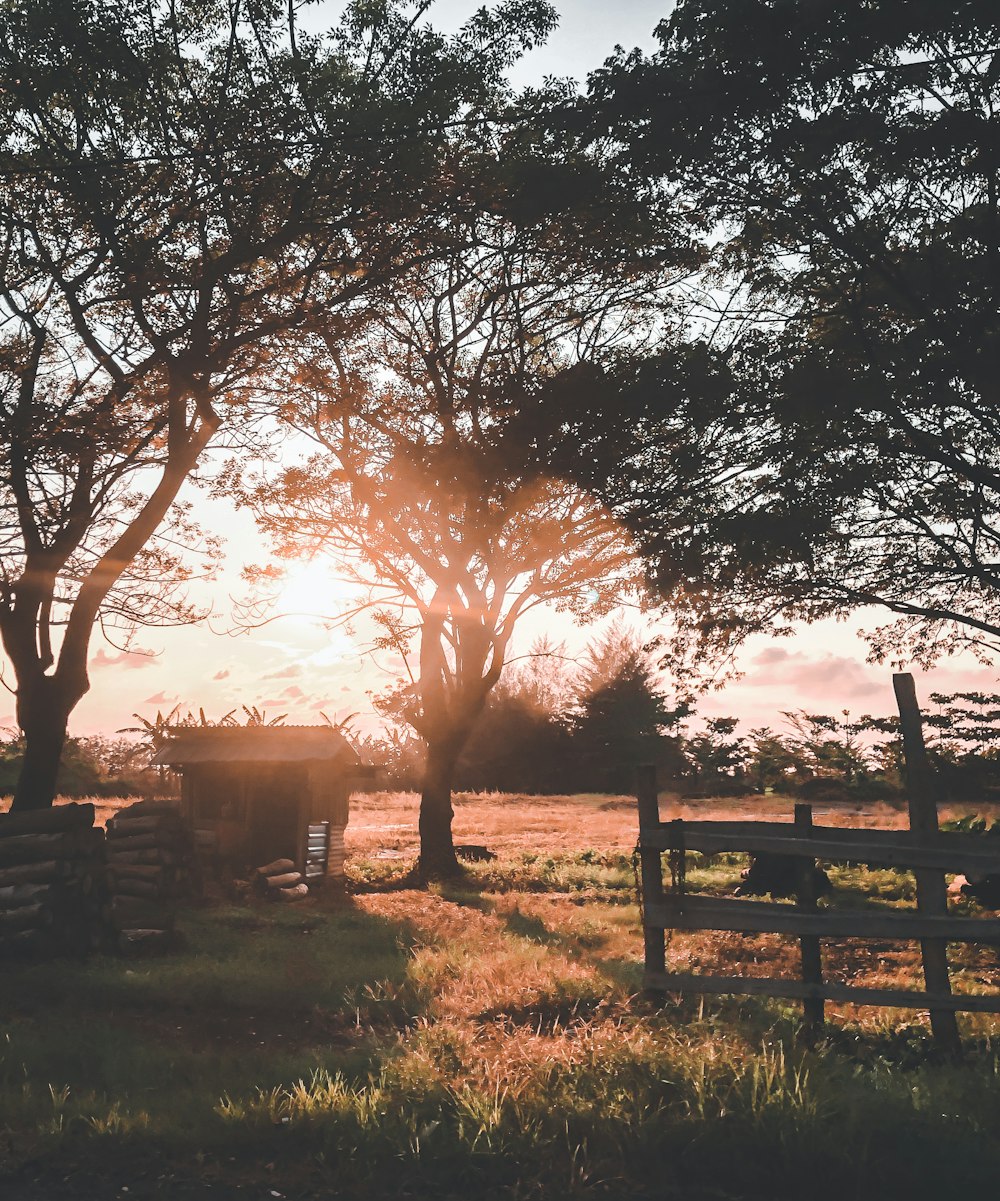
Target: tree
{"x": 522, "y": 741}
{"x": 175, "y": 177}
{"x": 772, "y": 763}
{"x": 717, "y": 760}
{"x": 621, "y": 718}
{"x": 427, "y": 479}
{"x": 845, "y": 161}
{"x": 825, "y": 745}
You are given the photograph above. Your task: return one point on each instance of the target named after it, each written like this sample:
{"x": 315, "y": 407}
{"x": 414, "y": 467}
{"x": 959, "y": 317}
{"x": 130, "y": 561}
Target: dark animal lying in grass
{"x": 984, "y": 889}
{"x": 779, "y": 876}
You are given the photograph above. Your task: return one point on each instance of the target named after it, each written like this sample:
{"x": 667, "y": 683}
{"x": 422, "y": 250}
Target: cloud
{"x": 130, "y": 660}
{"x": 294, "y": 692}
{"x": 221, "y": 675}
{"x": 830, "y": 678}
{"x": 160, "y": 698}
{"x": 772, "y": 655}
{"x": 286, "y": 673}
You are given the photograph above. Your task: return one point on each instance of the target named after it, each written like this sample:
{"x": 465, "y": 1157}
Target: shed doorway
{"x": 275, "y": 800}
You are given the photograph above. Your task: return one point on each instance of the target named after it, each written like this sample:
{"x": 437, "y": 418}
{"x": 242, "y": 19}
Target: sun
{"x": 312, "y": 590}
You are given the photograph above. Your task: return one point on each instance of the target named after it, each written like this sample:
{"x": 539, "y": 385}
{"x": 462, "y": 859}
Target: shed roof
{"x": 255, "y": 744}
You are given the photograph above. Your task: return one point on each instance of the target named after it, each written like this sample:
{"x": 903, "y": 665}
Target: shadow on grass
{"x": 258, "y": 998}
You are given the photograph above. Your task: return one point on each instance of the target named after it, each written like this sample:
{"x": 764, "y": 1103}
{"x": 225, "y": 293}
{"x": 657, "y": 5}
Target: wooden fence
{"x": 922, "y": 849}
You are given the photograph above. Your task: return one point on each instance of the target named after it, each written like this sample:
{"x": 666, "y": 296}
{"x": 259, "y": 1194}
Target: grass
{"x": 482, "y": 1038}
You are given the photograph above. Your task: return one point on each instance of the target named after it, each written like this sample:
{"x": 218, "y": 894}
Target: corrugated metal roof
{"x": 254, "y": 744}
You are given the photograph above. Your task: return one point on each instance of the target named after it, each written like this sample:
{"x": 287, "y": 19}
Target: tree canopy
{"x": 843, "y": 160}
{"x": 427, "y": 479}
{"x": 176, "y": 177}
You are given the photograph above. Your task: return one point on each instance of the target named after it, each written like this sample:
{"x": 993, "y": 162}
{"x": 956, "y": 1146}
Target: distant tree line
{"x": 554, "y": 725}
{"x": 91, "y": 766}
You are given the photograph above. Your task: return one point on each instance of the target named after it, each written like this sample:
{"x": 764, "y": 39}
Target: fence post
{"x": 813, "y": 1008}
{"x": 651, "y": 867}
{"x": 932, "y": 895}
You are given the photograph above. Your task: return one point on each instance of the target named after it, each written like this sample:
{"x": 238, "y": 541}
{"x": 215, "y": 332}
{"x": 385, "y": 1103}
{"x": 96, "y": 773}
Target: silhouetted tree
{"x": 522, "y": 741}
{"x": 844, "y": 158}
{"x": 716, "y": 759}
{"x": 621, "y": 719}
{"x": 427, "y": 482}
{"x": 174, "y": 176}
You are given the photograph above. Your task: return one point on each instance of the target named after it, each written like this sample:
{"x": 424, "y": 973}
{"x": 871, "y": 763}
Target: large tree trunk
{"x": 43, "y": 717}
{"x": 437, "y": 849}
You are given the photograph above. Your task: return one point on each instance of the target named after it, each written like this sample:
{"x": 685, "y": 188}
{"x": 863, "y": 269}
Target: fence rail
{"x": 923, "y": 849}
{"x": 953, "y": 852}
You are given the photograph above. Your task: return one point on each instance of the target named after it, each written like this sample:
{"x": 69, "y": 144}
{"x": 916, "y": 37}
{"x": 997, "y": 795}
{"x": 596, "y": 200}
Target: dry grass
{"x": 505, "y": 822}
{"x": 564, "y": 877}
{"x": 484, "y": 1038}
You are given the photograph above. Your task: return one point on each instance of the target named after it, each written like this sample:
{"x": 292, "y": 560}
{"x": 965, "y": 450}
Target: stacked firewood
{"x": 150, "y": 866}
{"x": 280, "y": 881}
{"x": 50, "y": 880}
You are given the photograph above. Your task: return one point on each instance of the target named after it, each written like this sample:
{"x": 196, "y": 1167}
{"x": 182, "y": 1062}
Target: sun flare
{"x": 311, "y": 590}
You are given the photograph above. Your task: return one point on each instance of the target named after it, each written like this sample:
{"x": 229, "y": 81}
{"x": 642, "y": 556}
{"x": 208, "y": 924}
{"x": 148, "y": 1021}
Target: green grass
{"x": 483, "y": 1039}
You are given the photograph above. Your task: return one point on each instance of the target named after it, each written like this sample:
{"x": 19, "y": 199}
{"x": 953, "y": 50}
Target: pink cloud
{"x": 825, "y": 676}
{"x": 294, "y": 692}
{"x": 773, "y": 654}
{"x": 221, "y": 675}
{"x": 285, "y": 673}
{"x": 130, "y": 660}
{"x": 160, "y": 698}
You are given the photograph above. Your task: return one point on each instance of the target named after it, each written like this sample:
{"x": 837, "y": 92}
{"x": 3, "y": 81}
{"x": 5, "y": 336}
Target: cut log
{"x": 35, "y": 873}
{"x": 134, "y": 842}
{"x": 35, "y": 848}
{"x": 142, "y": 871}
{"x": 278, "y": 868}
{"x": 58, "y": 819}
{"x": 134, "y": 913}
{"x": 126, "y": 827}
{"x": 14, "y": 895}
{"x": 142, "y": 942}
{"x": 152, "y": 857}
{"x": 295, "y": 893}
{"x": 149, "y": 889}
{"x": 25, "y": 917}
{"x": 151, "y": 809}
{"x": 285, "y": 880}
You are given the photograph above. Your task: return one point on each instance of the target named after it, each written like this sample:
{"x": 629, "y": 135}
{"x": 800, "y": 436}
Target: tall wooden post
{"x": 932, "y": 895}
{"x": 813, "y": 1008}
{"x": 651, "y": 868}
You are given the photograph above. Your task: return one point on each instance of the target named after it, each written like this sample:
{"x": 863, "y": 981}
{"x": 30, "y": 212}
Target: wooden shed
{"x": 258, "y": 793}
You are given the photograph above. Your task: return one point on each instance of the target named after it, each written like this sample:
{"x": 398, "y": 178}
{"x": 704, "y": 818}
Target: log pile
{"x": 50, "y": 880}
{"x": 280, "y": 881}
{"x": 150, "y": 866}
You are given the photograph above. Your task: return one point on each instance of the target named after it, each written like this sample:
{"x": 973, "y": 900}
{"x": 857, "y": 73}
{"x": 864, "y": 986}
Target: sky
{"x": 295, "y": 665}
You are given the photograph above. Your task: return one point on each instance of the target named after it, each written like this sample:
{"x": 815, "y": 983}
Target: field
{"x": 486, "y": 1038}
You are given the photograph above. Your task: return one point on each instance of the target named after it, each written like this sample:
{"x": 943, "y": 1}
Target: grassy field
{"x": 483, "y": 1039}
